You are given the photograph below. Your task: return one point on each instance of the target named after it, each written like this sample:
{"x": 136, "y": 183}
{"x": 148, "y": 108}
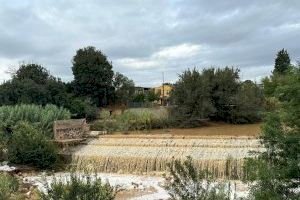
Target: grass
{"x": 132, "y": 120}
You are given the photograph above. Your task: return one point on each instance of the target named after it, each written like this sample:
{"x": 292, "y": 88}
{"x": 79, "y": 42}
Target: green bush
{"x": 40, "y": 117}
{"x": 28, "y": 145}
{"x": 79, "y": 187}
{"x": 8, "y": 186}
{"x": 186, "y": 182}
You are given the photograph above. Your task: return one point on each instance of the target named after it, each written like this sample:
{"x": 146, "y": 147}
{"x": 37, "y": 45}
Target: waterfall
{"x": 222, "y": 156}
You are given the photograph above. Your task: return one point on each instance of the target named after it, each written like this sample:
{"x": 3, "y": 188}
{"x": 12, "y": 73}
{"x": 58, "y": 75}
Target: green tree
{"x": 249, "y": 103}
{"x": 152, "y": 96}
{"x": 277, "y": 170}
{"x": 34, "y": 72}
{"x": 93, "y": 75}
{"x": 192, "y": 95}
{"x": 225, "y": 86}
{"x": 282, "y": 62}
{"x": 124, "y": 88}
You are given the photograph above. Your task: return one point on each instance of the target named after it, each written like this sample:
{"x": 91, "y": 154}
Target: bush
{"x": 40, "y": 117}
{"x": 186, "y": 182}
{"x": 28, "y": 145}
{"x": 79, "y": 187}
{"x": 8, "y": 186}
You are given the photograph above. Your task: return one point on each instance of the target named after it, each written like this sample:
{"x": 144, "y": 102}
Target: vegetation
{"x": 133, "y": 119}
{"x": 28, "y": 145}
{"x": 282, "y": 62}
{"x": 38, "y": 116}
{"x": 277, "y": 170}
{"x": 185, "y": 182}
{"x": 79, "y": 188}
{"x": 124, "y": 89}
{"x": 218, "y": 95}
{"x": 93, "y": 75}
{"x": 9, "y": 186}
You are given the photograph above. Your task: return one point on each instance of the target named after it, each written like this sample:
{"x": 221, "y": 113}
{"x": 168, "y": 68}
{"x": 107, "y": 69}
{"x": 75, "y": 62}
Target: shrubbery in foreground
{"x": 185, "y": 182}
{"x": 28, "y": 145}
{"x": 8, "y": 187}
{"x": 79, "y": 188}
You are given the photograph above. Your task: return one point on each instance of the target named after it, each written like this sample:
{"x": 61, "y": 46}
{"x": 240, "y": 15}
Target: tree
{"x": 282, "y": 62}
{"x": 124, "y": 88}
{"x": 277, "y": 170}
{"x": 249, "y": 103}
{"x": 225, "y": 86}
{"x": 93, "y": 75}
{"x": 192, "y": 95}
{"x": 152, "y": 96}
{"x": 34, "y": 72}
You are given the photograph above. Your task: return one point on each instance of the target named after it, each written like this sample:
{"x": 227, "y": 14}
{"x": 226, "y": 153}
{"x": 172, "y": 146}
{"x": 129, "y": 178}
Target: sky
{"x": 147, "y": 38}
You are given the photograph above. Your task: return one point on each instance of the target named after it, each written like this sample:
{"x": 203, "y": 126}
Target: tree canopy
{"x": 93, "y": 75}
{"x": 282, "y": 62}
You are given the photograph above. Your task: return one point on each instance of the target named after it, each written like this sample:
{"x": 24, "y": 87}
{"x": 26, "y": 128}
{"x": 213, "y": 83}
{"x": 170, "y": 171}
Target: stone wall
{"x": 70, "y": 129}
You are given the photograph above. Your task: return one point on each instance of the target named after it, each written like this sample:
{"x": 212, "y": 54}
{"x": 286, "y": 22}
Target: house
{"x": 141, "y": 90}
{"x": 164, "y": 92}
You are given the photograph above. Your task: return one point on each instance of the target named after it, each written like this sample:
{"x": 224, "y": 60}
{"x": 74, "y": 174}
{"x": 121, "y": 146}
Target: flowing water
{"x": 223, "y": 156}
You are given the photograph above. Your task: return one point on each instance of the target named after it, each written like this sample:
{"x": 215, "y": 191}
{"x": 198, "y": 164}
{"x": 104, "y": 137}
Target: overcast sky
{"x": 144, "y": 38}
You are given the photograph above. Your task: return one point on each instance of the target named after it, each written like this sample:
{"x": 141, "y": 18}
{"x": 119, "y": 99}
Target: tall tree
{"x": 282, "y": 62}
{"x": 124, "y": 88}
{"x": 277, "y": 169}
{"x": 93, "y": 75}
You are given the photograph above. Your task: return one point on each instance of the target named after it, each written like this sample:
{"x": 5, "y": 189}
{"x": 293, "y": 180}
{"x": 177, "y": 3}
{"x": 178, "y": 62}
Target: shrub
{"x": 28, "y": 145}
{"x": 40, "y": 117}
{"x": 79, "y": 187}
{"x": 186, "y": 182}
{"x": 8, "y": 186}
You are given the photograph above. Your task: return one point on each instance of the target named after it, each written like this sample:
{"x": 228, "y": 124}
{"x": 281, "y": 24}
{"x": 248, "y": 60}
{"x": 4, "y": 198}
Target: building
{"x": 141, "y": 90}
{"x": 164, "y": 92}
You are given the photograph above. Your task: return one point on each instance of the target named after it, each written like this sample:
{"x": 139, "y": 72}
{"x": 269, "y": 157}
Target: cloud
{"x": 145, "y": 38}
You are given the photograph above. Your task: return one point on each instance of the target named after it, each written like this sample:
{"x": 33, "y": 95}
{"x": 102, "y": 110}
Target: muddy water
{"x": 147, "y": 154}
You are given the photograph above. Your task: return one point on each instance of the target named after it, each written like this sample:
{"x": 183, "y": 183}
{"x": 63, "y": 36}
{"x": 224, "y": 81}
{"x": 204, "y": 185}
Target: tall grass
{"x": 134, "y": 119}
{"x": 41, "y": 117}
{"x": 8, "y": 187}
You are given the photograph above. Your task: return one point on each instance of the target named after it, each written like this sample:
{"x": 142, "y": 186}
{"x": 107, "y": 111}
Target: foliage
{"x": 124, "y": 88}
{"x": 185, "y": 182}
{"x": 32, "y": 84}
{"x": 41, "y": 117}
{"x": 192, "y": 95}
{"x": 152, "y": 96}
{"x": 215, "y": 94}
{"x": 249, "y": 103}
{"x": 141, "y": 97}
{"x": 93, "y": 75}
{"x": 282, "y": 62}
{"x": 134, "y": 119}
{"x": 277, "y": 169}
{"x": 29, "y": 145}
{"x": 8, "y": 186}
{"x": 79, "y": 188}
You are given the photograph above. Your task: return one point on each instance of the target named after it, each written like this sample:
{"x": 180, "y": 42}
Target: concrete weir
{"x": 223, "y": 156}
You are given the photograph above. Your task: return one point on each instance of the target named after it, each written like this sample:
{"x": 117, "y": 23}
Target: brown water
{"x": 147, "y": 154}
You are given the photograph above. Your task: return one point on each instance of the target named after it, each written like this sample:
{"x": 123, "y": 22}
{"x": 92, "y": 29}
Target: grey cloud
{"x": 246, "y": 34}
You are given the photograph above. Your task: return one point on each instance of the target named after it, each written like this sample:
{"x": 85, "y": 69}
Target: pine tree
{"x": 282, "y": 62}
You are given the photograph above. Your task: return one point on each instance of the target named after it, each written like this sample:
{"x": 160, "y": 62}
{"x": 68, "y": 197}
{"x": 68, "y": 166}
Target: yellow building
{"x": 164, "y": 93}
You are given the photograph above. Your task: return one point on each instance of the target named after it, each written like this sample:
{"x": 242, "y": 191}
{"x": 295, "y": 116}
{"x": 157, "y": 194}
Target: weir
{"x": 222, "y": 156}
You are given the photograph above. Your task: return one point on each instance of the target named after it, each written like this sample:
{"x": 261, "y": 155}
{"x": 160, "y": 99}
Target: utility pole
{"x": 163, "y": 89}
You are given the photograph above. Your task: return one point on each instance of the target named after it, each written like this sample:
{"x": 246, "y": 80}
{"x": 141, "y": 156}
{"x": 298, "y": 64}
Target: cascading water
{"x": 223, "y": 156}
